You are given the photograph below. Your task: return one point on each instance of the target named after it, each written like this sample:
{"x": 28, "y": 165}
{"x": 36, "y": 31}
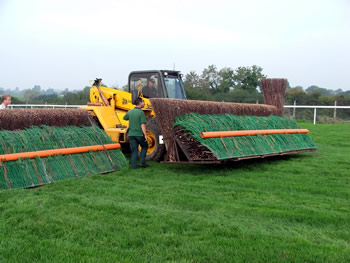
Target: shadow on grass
{"x": 229, "y": 166}
{"x": 226, "y": 168}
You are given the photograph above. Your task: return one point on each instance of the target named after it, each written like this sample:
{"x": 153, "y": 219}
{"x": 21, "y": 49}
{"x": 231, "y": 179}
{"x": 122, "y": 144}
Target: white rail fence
{"x": 11, "y": 106}
{"x": 294, "y": 107}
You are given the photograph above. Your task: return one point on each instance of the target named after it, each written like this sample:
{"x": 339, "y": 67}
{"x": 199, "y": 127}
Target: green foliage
{"x": 79, "y": 97}
{"x": 241, "y": 96}
{"x": 192, "y": 80}
{"x": 296, "y": 94}
{"x": 285, "y": 209}
{"x": 30, "y": 95}
{"x": 224, "y": 84}
{"x": 37, "y": 88}
{"x": 317, "y": 90}
{"x": 227, "y": 81}
{"x": 16, "y": 100}
{"x": 211, "y": 78}
{"x": 198, "y": 94}
{"x": 248, "y": 78}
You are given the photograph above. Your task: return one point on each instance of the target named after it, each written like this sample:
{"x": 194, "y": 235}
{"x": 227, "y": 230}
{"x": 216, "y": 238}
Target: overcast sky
{"x": 65, "y": 43}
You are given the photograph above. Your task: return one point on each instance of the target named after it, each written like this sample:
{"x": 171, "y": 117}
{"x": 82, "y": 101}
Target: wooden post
{"x": 335, "y": 111}
{"x": 295, "y": 103}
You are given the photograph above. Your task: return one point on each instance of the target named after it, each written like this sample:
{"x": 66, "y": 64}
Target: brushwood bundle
{"x": 274, "y": 90}
{"x": 24, "y": 118}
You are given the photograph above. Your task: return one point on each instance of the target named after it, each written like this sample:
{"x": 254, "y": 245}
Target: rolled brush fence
{"x": 26, "y": 172}
{"x": 250, "y": 142}
{"x": 168, "y": 109}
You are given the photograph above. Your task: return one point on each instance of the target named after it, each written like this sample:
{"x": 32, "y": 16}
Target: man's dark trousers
{"x": 135, "y": 141}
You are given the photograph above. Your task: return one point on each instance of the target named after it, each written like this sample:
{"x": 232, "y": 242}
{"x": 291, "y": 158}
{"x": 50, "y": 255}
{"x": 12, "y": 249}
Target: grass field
{"x": 292, "y": 209}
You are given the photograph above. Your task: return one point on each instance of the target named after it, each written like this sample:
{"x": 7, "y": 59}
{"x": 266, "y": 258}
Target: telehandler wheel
{"x": 155, "y": 150}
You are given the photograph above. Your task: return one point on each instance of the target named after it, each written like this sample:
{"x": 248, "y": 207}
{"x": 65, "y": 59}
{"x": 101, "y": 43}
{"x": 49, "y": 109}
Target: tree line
{"x": 242, "y": 85}
{"x": 230, "y": 85}
{"x": 37, "y": 95}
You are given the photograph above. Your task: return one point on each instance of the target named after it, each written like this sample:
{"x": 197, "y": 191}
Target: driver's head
{"x": 151, "y": 83}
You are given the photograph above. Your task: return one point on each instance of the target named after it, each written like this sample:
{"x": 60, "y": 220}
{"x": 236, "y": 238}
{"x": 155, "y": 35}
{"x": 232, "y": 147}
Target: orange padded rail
{"x": 216, "y": 134}
{"x": 63, "y": 151}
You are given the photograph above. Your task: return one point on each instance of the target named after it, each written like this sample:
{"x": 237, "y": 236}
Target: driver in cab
{"x": 150, "y": 91}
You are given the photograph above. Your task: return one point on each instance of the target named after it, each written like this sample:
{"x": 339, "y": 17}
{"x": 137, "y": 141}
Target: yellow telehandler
{"x": 109, "y": 105}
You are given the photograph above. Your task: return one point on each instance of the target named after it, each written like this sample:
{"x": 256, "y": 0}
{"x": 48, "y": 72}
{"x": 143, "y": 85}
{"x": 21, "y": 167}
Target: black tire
{"x": 158, "y": 149}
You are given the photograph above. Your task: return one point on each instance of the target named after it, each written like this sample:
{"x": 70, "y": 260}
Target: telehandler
{"x": 109, "y": 105}
{"x": 165, "y": 102}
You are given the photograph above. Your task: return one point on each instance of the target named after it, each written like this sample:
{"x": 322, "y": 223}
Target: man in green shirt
{"x": 137, "y": 133}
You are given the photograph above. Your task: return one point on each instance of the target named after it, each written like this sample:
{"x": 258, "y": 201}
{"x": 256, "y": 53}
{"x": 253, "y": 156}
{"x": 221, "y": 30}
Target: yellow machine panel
{"x": 111, "y": 117}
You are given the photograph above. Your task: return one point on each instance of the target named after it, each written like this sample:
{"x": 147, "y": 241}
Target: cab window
{"x": 174, "y": 88}
{"x": 146, "y": 83}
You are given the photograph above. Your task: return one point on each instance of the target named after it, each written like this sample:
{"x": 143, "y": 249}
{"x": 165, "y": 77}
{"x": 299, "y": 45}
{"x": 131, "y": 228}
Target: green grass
{"x": 293, "y": 209}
